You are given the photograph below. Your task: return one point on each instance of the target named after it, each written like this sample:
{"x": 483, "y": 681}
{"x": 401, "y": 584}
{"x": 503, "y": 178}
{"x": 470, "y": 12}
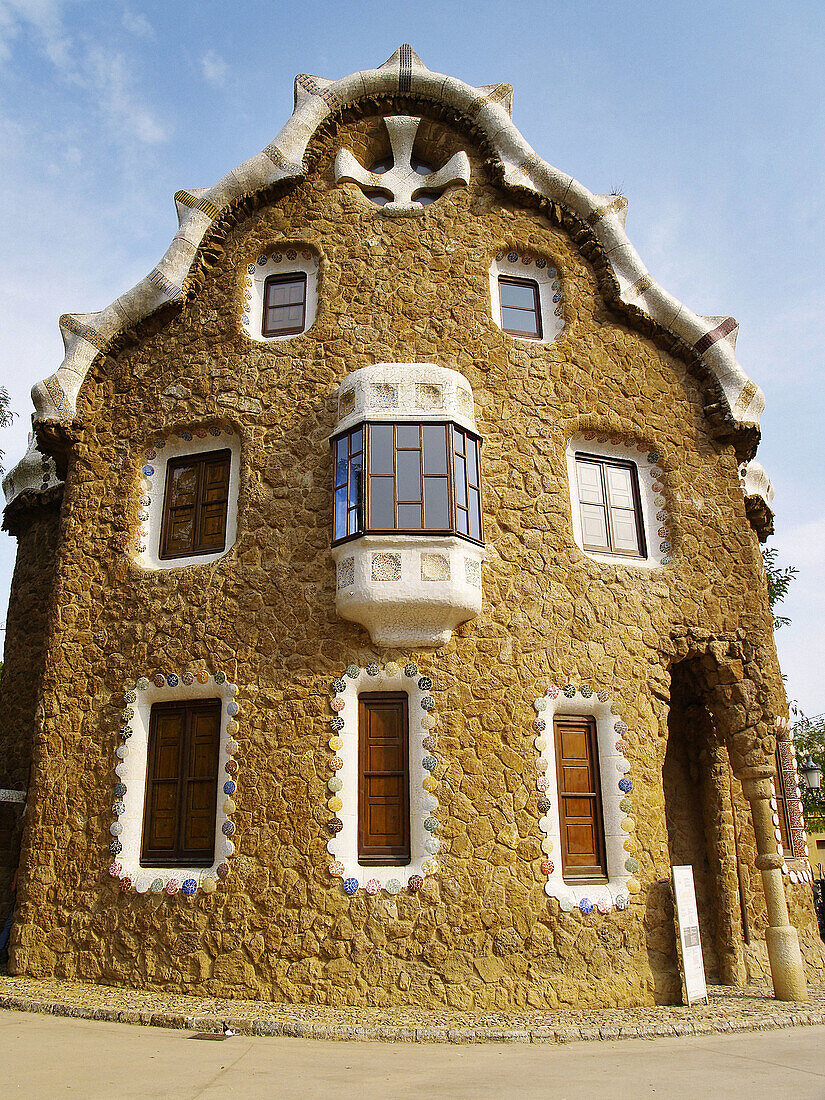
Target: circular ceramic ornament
{"x": 602, "y": 696}
{"x": 547, "y": 867}
{"x": 232, "y": 746}
{"x": 228, "y": 848}
{"x": 129, "y": 696}
{"x": 159, "y": 679}
{"x": 126, "y": 884}
{"x": 350, "y": 885}
{"x": 541, "y": 765}
{"x": 228, "y": 828}
{"x": 540, "y": 704}
{"x": 232, "y": 727}
{"x": 393, "y": 886}
{"x": 429, "y": 866}
{"x": 127, "y": 714}
{"x": 231, "y": 767}
{"x": 373, "y": 886}
{"x": 232, "y": 708}
{"x": 223, "y": 870}
{"x": 427, "y": 702}
{"x": 229, "y": 805}
{"x": 552, "y": 692}
{"x": 122, "y": 752}
{"x": 429, "y": 783}
{"x": 336, "y": 724}
{"x": 628, "y": 824}
{"x": 604, "y": 906}
{"x": 622, "y": 901}
{"x": 391, "y": 668}
{"x": 585, "y": 691}
{"x": 336, "y": 868}
{"x": 626, "y": 785}
{"x": 428, "y": 722}
{"x": 115, "y": 870}
{"x": 121, "y": 769}
{"x": 142, "y": 684}
{"x": 539, "y": 725}
{"x": 631, "y": 865}
{"x": 429, "y": 763}
{"x": 171, "y": 886}
{"x": 410, "y": 670}
{"x": 337, "y": 705}
{"x": 335, "y": 784}
{"x": 220, "y": 677}
{"x": 430, "y": 743}
{"x": 429, "y": 802}
{"x": 188, "y": 887}
{"x": 157, "y": 886}
{"x": 620, "y": 728}
{"x": 353, "y": 671}
{"x": 632, "y": 886}
{"x": 116, "y": 828}
{"x": 540, "y": 743}
{"x": 372, "y": 669}
{"x": 586, "y": 905}
{"x": 566, "y": 904}
{"x": 208, "y": 885}
{"x": 547, "y": 845}
{"x": 335, "y": 826}
{"x": 172, "y": 680}
{"x": 544, "y": 805}
{"x": 431, "y": 824}
{"x": 118, "y": 808}
{"x": 335, "y": 743}
{"x": 187, "y": 678}
{"x": 120, "y": 790}
{"x": 338, "y": 685}
{"x": 142, "y": 886}
{"x": 335, "y": 804}
{"x": 202, "y": 676}
{"x": 542, "y": 784}
{"x": 115, "y": 847}
{"x": 425, "y": 683}
{"x": 336, "y": 763}
{"x": 569, "y": 691}
{"x": 432, "y": 846}
{"x": 415, "y": 883}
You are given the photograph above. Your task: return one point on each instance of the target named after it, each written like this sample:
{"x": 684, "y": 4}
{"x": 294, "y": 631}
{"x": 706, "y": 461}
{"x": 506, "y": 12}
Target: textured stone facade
{"x": 480, "y": 931}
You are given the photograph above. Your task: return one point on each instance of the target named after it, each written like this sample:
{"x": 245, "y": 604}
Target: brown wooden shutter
{"x": 580, "y": 804}
{"x": 181, "y": 783}
{"x": 194, "y": 510}
{"x": 384, "y": 779}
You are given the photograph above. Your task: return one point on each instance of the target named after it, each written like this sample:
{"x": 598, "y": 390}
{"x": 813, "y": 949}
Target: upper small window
{"x": 284, "y": 309}
{"x": 610, "y": 507}
{"x": 195, "y": 505}
{"x": 520, "y": 306}
{"x": 181, "y": 784}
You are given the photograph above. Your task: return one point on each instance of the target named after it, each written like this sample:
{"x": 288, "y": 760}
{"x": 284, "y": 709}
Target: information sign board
{"x": 687, "y": 917}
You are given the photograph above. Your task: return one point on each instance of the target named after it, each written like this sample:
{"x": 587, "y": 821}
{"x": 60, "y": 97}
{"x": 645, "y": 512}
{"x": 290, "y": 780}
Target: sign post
{"x": 687, "y": 917}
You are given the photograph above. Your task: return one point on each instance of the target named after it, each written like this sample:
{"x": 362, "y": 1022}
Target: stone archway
{"x": 699, "y": 813}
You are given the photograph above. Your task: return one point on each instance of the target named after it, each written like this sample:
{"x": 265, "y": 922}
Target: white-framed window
{"x": 280, "y": 294}
{"x": 188, "y": 506}
{"x": 526, "y": 296}
{"x": 616, "y": 501}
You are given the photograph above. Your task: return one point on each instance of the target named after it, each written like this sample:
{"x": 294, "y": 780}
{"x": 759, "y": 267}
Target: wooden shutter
{"x": 580, "y": 803}
{"x": 195, "y": 505}
{"x": 181, "y": 783}
{"x": 384, "y": 779}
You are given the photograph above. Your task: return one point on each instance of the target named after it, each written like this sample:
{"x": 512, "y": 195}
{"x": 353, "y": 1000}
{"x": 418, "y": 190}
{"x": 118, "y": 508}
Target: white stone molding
{"x": 650, "y": 477}
{"x": 343, "y": 786}
{"x": 402, "y": 181}
{"x": 521, "y": 264}
{"x": 152, "y": 486}
{"x": 7, "y": 795}
{"x": 280, "y": 259}
{"x": 86, "y": 335}
{"x": 407, "y": 590}
{"x": 34, "y": 472}
{"x": 130, "y": 784}
{"x": 616, "y": 786}
{"x": 755, "y": 482}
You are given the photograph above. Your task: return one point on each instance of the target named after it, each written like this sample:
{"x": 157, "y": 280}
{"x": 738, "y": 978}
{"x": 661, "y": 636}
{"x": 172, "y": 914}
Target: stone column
{"x": 785, "y": 958}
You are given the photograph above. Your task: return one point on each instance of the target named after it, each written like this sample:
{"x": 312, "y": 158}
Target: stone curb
{"x": 248, "y": 1025}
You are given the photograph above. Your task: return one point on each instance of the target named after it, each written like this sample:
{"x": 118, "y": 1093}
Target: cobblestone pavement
{"x": 730, "y": 1010}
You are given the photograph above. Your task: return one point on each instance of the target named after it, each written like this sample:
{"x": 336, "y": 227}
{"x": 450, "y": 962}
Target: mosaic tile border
{"x": 617, "y": 805}
{"x": 799, "y": 869}
{"x": 128, "y": 804}
{"x": 342, "y": 793}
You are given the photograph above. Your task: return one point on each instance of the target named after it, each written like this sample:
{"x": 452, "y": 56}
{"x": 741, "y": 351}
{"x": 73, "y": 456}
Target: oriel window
{"x": 181, "y": 784}
{"x": 195, "y": 504}
{"x": 285, "y": 299}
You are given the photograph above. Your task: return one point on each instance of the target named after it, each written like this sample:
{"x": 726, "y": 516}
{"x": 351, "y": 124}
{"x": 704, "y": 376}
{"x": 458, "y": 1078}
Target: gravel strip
{"x": 730, "y": 1010}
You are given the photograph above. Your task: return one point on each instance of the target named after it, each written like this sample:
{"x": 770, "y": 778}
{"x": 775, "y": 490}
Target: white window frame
{"x": 281, "y": 259}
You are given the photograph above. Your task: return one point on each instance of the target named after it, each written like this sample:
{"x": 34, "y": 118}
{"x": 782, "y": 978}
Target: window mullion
{"x": 608, "y": 517}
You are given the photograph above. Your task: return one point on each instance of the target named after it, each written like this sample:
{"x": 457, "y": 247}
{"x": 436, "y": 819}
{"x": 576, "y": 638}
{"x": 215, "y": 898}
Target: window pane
{"x": 340, "y": 512}
{"x": 408, "y": 464}
{"x": 382, "y": 503}
{"x": 619, "y": 486}
{"x": 460, "y": 481}
{"x": 517, "y": 294}
{"x": 381, "y": 449}
{"x": 625, "y": 535}
{"x": 184, "y": 487}
{"x": 341, "y": 462}
{"x": 518, "y": 320}
{"x": 594, "y": 527}
{"x": 409, "y": 517}
{"x": 475, "y": 515}
{"x": 472, "y": 461}
{"x": 461, "y": 523}
{"x": 355, "y": 480}
{"x": 407, "y": 435}
{"x": 590, "y": 482}
{"x": 436, "y": 505}
{"x": 435, "y": 449}
{"x": 354, "y": 522}
{"x": 356, "y": 441}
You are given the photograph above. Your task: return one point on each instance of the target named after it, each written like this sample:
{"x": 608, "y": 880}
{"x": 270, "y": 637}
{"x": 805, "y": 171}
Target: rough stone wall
{"x": 481, "y": 931}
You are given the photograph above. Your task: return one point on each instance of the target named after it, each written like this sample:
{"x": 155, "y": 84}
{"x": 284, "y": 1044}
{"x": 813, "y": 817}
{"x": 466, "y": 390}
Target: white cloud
{"x": 112, "y": 78}
{"x": 214, "y": 69}
{"x": 137, "y": 24}
{"x": 44, "y": 19}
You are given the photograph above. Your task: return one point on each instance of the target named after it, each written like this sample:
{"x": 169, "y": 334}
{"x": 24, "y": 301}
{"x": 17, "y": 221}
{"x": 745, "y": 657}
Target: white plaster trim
{"x": 146, "y": 547}
{"x": 344, "y": 847}
{"x": 618, "y": 825}
{"x": 280, "y": 259}
{"x": 86, "y": 335}
{"x": 373, "y": 388}
{"x": 651, "y": 491}
{"x": 7, "y": 795}
{"x": 35, "y": 471}
{"x": 131, "y": 771}
{"x": 550, "y": 292}
{"x": 755, "y": 482}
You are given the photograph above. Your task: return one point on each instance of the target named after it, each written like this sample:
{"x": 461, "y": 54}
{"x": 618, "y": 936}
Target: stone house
{"x": 389, "y": 613}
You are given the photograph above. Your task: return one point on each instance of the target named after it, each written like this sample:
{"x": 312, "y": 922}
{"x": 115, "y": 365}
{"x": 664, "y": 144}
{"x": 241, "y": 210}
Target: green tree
{"x": 6, "y": 417}
{"x": 809, "y": 740}
{"x": 779, "y": 581}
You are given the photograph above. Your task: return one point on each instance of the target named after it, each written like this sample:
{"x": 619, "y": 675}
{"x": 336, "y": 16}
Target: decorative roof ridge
{"x": 86, "y": 335}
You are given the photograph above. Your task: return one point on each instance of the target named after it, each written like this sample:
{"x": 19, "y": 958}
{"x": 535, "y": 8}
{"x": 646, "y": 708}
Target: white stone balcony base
{"x": 408, "y": 591}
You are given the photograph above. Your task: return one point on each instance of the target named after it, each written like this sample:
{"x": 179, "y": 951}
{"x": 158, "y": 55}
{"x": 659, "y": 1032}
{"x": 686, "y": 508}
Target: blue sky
{"x": 708, "y": 116}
